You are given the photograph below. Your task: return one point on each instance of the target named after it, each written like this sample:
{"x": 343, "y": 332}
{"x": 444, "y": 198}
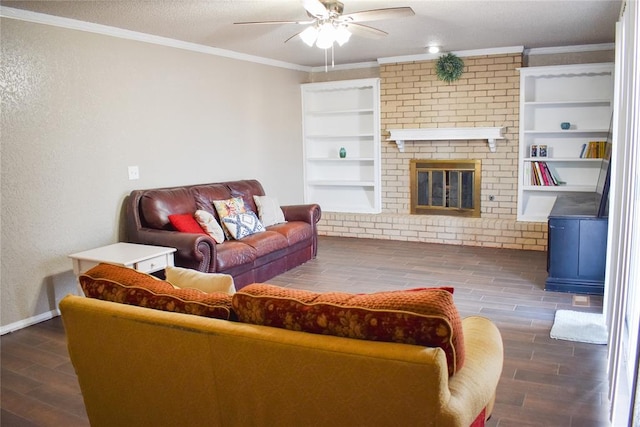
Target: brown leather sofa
{"x": 255, "y": 258}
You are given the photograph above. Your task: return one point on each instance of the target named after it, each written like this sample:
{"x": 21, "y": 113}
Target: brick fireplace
{"x": 412, "y": 97}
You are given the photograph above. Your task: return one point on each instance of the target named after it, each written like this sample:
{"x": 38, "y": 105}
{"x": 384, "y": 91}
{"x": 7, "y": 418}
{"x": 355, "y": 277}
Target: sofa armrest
{"x": 308, "y": 213}
{"x": 473, "y": 387}
{"x": 196, "y": 251}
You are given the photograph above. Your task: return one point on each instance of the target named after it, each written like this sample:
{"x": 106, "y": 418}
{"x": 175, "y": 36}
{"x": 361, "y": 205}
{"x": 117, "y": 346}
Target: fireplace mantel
{"x": 399, "y": 136}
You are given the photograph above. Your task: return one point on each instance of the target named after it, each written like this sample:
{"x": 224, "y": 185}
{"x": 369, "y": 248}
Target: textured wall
{"x": 78, "y": 108}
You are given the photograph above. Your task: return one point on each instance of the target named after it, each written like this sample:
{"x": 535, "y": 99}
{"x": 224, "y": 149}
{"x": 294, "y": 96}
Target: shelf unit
{"x": 579, "y": 94}
{"x": 336, "y": 115}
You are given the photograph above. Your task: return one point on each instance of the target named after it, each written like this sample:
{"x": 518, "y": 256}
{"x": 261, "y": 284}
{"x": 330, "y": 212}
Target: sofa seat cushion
{"x": 425, "y": 316}
{"x": 294, "y": 231}
{"x": 266, "y": 242}
{"x": 127, "y": 286}
{"x": 233, "y": 253}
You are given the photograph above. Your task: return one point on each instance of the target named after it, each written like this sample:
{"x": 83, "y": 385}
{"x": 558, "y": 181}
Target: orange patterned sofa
{"x": 275, "y": 356}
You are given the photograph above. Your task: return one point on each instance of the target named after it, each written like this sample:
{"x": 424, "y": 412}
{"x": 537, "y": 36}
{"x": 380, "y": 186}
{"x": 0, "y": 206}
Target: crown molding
{"x": 460, "y": 53}
{"x": 342, "y": 67}
{"x": 569, "y": 49}
{"x": 74, "y": 24}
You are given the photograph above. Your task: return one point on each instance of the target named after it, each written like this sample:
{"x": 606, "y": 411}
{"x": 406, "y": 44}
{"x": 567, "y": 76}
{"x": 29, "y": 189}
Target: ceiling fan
{"x": 328, "y": 25}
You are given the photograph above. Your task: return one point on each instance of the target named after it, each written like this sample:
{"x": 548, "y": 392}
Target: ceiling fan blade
{"x": 315, "y": 8}
{"x": 366, "y": 31}
{"x": 293, "y": 37}
{"x": 275, "y": 22}
{"x": 378, "y": 14}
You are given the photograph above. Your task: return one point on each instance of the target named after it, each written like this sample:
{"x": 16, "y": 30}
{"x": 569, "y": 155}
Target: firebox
{"x": 445, "y": 187}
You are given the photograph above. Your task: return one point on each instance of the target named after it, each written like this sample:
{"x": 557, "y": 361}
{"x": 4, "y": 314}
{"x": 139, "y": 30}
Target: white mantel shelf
{"x": 399, "y": 136}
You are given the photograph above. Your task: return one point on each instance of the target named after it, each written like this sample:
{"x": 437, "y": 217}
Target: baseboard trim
{"x": 12, "y": 327}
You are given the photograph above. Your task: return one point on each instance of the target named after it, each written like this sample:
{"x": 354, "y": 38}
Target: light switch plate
{"x": 134, "y": 173}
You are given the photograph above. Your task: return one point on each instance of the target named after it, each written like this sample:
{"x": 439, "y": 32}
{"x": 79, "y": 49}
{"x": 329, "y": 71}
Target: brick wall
{"x": 487, "y": 95}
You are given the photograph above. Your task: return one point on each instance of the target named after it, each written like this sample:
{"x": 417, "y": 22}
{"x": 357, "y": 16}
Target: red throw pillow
{"x": 425, "y": 316}
{"x": 185, "y": 223}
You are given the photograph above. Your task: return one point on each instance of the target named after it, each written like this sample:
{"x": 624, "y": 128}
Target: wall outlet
{"x": 134, "y": 173}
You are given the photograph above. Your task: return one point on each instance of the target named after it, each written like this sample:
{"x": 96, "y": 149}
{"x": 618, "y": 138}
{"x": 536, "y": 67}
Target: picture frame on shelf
{"x": 542, "y": 151}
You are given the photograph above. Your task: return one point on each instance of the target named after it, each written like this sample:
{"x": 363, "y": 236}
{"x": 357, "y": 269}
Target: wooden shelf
{"x": 569, "y": 103}
{"x": 338, "y": 183}
{"x": 579, "y": 94}
{"x": 560, "y": 188}
{"x": 561, "y": 159}
{"x": 335, "y": 115}
{"x": 491, "y": 134}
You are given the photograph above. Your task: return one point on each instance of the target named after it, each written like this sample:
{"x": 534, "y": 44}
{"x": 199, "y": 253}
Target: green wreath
{"x": 449, "y": 68}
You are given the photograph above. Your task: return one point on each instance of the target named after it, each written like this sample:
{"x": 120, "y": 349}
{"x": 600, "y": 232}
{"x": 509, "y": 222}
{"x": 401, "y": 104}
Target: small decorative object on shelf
{"x": 565, "y": 125}
{"x": 542, "y": 151}
{"x": 533, "y": 151}
{"x": 343, "y": 152}
{"x": 449, "y": 67}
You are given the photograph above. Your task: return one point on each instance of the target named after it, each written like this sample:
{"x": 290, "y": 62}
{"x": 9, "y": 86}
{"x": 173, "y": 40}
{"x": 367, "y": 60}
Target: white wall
{"x": 78, "y": 108}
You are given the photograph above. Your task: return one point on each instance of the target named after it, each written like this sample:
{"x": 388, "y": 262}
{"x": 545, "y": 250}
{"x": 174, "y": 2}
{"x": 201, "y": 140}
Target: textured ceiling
{"x": 454, "y": 25}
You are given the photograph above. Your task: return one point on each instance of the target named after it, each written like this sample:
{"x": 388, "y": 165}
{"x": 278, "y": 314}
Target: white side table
{"x": 144, "y": 258}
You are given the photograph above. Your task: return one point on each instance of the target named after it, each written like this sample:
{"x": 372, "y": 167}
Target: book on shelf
{"x": 593, "y": 150}
{"x": 541, "y": 174}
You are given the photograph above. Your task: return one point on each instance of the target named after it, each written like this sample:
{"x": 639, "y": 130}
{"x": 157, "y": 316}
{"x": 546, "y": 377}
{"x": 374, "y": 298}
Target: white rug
{"x": 579, "y": 326}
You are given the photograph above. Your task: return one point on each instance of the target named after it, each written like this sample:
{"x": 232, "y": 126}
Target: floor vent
{"x": 581, "y": 301}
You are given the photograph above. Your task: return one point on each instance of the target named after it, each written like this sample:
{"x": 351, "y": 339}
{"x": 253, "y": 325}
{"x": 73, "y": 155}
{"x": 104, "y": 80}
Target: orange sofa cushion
{"x": 127, "y": 286}
{"x": 425, "y": 316}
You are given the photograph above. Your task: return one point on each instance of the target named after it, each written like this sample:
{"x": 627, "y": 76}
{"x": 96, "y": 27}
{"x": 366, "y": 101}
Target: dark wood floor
{"x": 545, "y": 382}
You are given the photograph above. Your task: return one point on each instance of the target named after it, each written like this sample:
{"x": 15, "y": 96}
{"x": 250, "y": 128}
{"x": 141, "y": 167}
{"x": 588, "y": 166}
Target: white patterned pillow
{"x": 242, "y": 225}
{"x": 269, "y": 210}
{"x": 209, "y": 224}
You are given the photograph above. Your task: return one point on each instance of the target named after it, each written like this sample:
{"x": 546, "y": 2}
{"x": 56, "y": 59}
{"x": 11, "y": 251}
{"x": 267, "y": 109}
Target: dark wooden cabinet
{"x": 577, "y": 250}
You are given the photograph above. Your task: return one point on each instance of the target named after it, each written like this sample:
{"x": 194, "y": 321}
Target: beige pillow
{"x": 269, "y": 210}
{"x": 205, "y": 282}
{"x": 209, "y": 224}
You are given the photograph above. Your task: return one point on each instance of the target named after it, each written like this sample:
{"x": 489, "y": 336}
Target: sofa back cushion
{"x": 205, "y": 195}
{"x": 156, "y": 206}
{"x": 127, "y": 286}
{"x": 425, "y": 316}
{"x": 246, "y": 189}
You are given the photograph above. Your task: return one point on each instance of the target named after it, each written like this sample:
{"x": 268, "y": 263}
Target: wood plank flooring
{"x": 545, "y": 382}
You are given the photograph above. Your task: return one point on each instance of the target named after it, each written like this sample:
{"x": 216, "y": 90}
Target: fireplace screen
{"x": 445, "y": 187}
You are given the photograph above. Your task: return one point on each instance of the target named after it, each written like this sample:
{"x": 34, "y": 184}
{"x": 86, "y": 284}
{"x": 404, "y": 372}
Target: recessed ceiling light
{"x": 434, "y": 49}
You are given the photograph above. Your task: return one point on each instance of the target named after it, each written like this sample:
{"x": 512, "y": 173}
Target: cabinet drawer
{"x": 153, "y": 264}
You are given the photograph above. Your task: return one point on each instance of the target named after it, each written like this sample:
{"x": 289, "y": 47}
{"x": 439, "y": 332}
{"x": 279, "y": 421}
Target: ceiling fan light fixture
{"x": 342, "y": 35}
{"x": 326, "y": 36}
{"x": 309, "y": 35}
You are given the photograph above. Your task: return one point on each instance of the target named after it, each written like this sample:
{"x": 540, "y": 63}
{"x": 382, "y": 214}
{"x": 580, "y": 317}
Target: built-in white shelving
{"x": 342, "y": 114}
{"x": 578, "y": 94}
